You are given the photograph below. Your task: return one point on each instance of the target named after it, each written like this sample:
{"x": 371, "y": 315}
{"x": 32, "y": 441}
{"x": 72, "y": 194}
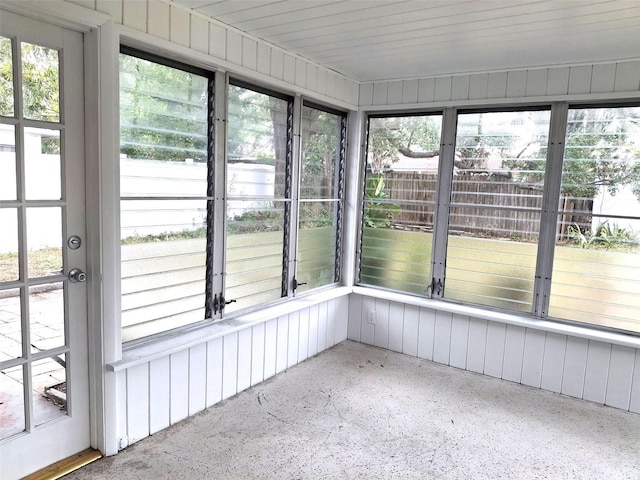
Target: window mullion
{"x": 443, "y": 196}
{"x": 291, "y": 242}
{"x": 216, "y": 243}
{"x": 548, "y": 222}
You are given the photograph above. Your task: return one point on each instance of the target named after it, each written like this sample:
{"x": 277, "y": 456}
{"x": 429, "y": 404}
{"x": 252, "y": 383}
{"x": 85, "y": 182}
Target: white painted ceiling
{"x": 385, "y": 39}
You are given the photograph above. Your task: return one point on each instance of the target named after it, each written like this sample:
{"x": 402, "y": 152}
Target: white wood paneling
{"x": 380, "y": 90}
{"x": 442, "y": 91}
{"x": 322, "y": 83}
{"x": 553, "y": 362}
{"x": 580, "y": 80}
{"x": 134, "y": 14}
{"x": 536, "y": 82}
{"x": 459, "y": 341}
{"x": 158, "y": 19}
{"x": 282, "y": 346}
{"x": 497, "y": 85}
{"x": 426, "y": 333}
{"x": 620, "y": 377}
{"x": 634, "y": 404}
{"x": 410, "y": 331}
{"x": 426, "y": 89}
{"x": 113, "y": 8}
{"x": 442, "y": 337}
{"x": 270, "y": 348}
{"x": 381, "y": 330}
{"x": 217, "y": 41}
{"x": 513, "y": 353}
{"x": 533, "y": 356}
{"x": 138, "y": 402}
{"x": 294, "y": 329}
{"x": 332, "y": 311}
{"x": 394, "y": 92}
{"x": 312, "y": 77}
{"x": 460, "y": 87}
{"x": 264, "y": 59}
{"x": 355, "y": 317}
{"x": 301, "y": 73}
{"x": 410, "y": 91}
{"x": 234, "y": 47}
{"x": 179, "y": 27}
{"x": 289, "y": 74}
{"x": 478, "y": 86}
{"x": 197, "y": 378}
{"x": 121, "y": 407}
{"x": 159, "y": 395}
{"x": 341, "y": 316}
{"x": 244, "y": 359}
{"x": 627, "y": 77}
{"x": 603, "y": 78}
{"x": 303, "y": 336}
{"x": 257, "y": 353}
{"x": 558, "y": 81}
{"x": 575, "y": 362}
{"x": 516, "y": 83}
{"x": 249, "y": 53}
{"x": 214, "y": 371}
{"x": 367, "y": 330}
{"x": 229, "y": 365}
{"x": 396, "y": 326}
{"x": 179, "y": 374}
{"x": 312, "y": 346}
{"x": 199, "y": 35}
{"x": 322, "y": 327}
{"x": 597, "y": 371}
{"x": 476, "y": 345}
{"x": 277, "y": 64}
{"x": 493, "y": 359}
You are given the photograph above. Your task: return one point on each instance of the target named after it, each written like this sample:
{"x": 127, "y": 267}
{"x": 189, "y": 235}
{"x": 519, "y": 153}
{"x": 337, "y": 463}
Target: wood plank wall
{"x": 554, "y": 83}
{"x": 595, "y": 371}
{"x": 164, "y": 391}
{"x": 177, "y": 25}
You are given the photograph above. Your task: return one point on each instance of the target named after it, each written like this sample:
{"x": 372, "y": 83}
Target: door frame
{"x": 101, "y": 46}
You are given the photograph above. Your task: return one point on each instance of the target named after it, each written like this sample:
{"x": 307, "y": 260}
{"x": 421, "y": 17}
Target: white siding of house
{"x": 155, "y": 394}
{"x": 582, "y": 82}
{"x": 227, "y": 47}
{"x": 587, "y": 369}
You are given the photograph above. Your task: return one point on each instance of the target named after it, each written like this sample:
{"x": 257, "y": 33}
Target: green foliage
{"x": 163, "y": 111}
{"x": 606, "y": 236}
{"x": 377, "y": 212}
{"x": 165, "y": 236}
{"x": 6, "y": 78}
{"x": 256, "y": 221}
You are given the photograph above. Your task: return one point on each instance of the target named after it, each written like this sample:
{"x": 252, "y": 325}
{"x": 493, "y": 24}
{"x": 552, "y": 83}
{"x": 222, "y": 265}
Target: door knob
{"x": 77, "y": 276}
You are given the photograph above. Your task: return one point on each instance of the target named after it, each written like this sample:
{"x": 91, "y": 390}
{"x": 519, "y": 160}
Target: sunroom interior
{"x": 198, "y": 195}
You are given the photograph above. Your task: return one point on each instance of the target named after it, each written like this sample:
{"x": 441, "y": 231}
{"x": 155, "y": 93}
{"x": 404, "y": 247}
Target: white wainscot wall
{"x": 578, "y": 367}
{"x": 161, "y": 392}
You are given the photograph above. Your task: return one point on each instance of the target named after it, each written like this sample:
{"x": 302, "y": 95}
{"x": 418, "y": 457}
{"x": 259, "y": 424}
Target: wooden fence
{"x": 481, "y": 206}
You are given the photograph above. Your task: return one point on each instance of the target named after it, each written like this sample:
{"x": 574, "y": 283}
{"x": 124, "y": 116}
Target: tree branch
{"x": 407, "y": 152}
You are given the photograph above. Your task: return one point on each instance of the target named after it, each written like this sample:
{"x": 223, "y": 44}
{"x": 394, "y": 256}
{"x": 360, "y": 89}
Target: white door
{"x": 44, "y": 400}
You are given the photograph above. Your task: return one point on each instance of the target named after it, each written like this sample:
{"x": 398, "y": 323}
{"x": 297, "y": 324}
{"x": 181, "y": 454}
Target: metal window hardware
{"x": 74, "y": 242}
{"x": 219, "y": 303}
{"x": 295, "y": 284}
{"x": 435, "y": 288}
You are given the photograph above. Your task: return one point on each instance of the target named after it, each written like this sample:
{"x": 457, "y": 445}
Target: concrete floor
{"x": 360, "y": 412}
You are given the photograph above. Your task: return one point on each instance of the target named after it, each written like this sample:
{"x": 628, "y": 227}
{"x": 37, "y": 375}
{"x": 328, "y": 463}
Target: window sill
{"x": 165, "y": 346}
{"x": 591, "y": 333}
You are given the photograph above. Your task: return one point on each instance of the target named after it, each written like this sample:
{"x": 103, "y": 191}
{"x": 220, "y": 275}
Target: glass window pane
{"x": 399, "y": 202}
{"x": 6, "y": 78}
{"x": 257, "y": 144}
{"x": 163, "y": 130}
{"x": 12, "y": 398}
{"x": 10, "y": 324}
{"x": 496, "y": 206}
{"x": 8, "y": 179}
{"x": 40, "y": 83}
{"x": 42, "y": 164}
{"x": 46, "y": 316}
{"x": 321, "y": 150}
{"x": 49, "y": 384}
{"x": 254, "y": 256}
{"x": 9, "y": 259}
{"x": 316, "y": 260}
{"x": 163, "y": 258}
{"x": 44, "y": 241}
{"x": 596, "y": 269}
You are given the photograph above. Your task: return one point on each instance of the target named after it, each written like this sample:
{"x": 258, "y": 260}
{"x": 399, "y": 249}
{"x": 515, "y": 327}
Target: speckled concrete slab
{"x": 360, "y": 412}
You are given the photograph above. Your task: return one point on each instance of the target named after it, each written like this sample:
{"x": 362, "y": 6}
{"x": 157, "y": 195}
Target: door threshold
{"x": 68, "y": 465}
